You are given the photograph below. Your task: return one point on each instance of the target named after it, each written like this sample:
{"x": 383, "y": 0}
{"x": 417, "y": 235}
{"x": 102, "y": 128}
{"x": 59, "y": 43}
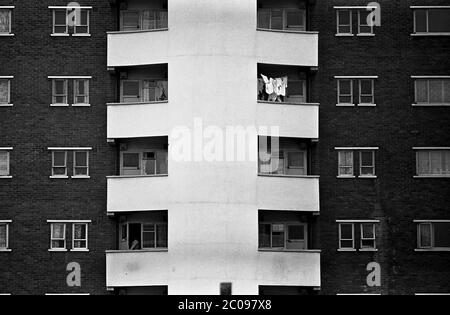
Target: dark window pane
{"x": 425, "y": 235}
{"x": 264, "y": 18}
{"x": 161, "y": 231}
{"x": 344, "y": 17}
{"x": 346, "y": 231}
{"x": 60, "y": 17}
{"x": 442, "y": 234}
{"x": 131, "y": 160}
{"x": 439, "y": 20}
{"x": 59, "y": 159}
{"x": 296, "y": 232}
{"x": 367, "y": 158}
{"x": 421, "y": 21}
{"x": 264, "y": 235}
{"x": 277, "y": 19}
{"x": 131, "y": 88}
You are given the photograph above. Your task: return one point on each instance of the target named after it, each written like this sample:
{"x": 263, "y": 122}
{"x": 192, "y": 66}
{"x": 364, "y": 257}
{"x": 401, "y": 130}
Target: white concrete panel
{"x": 288, "y": 193}
{"x": 134, "y": 121}
{"x": 298, "y": 121}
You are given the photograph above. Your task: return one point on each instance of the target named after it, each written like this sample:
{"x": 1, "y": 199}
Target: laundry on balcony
{"x": 272, "y": 90}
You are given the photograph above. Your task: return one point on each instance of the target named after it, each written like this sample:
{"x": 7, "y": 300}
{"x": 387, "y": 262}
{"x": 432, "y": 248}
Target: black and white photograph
{"x": 204, "y": 149}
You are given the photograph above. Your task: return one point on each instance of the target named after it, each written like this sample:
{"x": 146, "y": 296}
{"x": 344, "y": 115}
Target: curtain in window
{"x": 161, "y": 231}
{"x": 148, "y": 20}
{"x": 162, "y": 21}
{"x": 4, "y": 91}
{"x": 3, "y": 236}
{"x": 425, "y": 235}
{"x": 435, "y": 91}
{"x": 4, "y": 163}
{"x": 149, "y": 91}
{"x": 4, "y": 21}
{"x": 422, "y": 91}
{"x": 58, "y": 231}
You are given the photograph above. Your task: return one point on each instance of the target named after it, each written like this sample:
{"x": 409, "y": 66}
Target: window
{"x": 363, "y": 27}
{"x": 282, "y": 19}
{"x": 345, "y": 163}
{"x": 432, "y": 91}
{"x": 5, "y": 91}
{"x": 144, "y": 163}
{"x": 296, "y": 162}
{"x": 367, "y": 235}
{"x": 432, "y": 21}
{"x": 58, "y": 236}
{"x": 80, "y": 163}
{"x": 345, "y": 92}
{"x": 344, "y": 22}
{"x": 433, "y": 162}
{"x": 60, "y": 92}
{"x": 346, "y": 236}
{"x": 143, "y": 20}
{"x": 81, "y": 92}
{"x": 135, "y": 91}
{"x": 4, "y": 235}
{"x": 59, "y": 163}
{"x": 5, "y": 20}
{"x": 144, "y": 235}
{"x": 367, "y": 163}
{"x": 79, "y": 236}
{"x": 366, "y": 92}
{"x": 433, "y": 235}
{"x": 4, "y": 163}
{"x": 366, "y": 88}
{"x": 283, "y": 236}
{"x": 67, "y": 20}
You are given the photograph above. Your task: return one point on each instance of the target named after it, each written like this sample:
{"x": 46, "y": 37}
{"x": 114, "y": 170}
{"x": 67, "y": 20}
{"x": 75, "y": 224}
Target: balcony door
{"x": 296, "y": 236}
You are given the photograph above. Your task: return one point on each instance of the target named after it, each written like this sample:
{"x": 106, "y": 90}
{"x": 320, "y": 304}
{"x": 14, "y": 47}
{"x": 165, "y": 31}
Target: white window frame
{"x": 76, "y": 83}
{"x": 429, "y": 151}
{"x": 296, "y": 28}
{"x": 361, "y": 95}
{"x": 75, "y": 33}
{"x": 53, "y": 164}
{"x": 9, "y": 8}
{"x": 8, "y": 103}
{"x": 352, "y": 175}
{"x": 58, "y": 239}
{"x": 66, "y": 32}
{"x": 8, "y": 161}
{"x": 428, "y": 79}
{"x": 65, "y": 95}
{"x": 432, "y": 246}
{"x": 6, "y": 223}
{"x": 427, "y": 10}
{"x": 286, "y": 225}
{"x": 359, "y": 25}
{"x": 345, "y": 95}
{"x": 374, "y": 238}
{"x": 74, "y": 161}
{"x": 367, "y": 166}
{"x": 350, "y": 12}
{"x": 80, "y": 249}
{"x": 344, "y": 239}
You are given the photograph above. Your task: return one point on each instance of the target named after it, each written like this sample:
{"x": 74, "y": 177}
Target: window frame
{"x": 87, "y": 25}
{"x": 76, "y": 95}
{"x": 359, "y": 25}
{"x": 339, "y": 81}
{"x": 6, "y": 224}
{"x": 427, "y": 20}
{"x": 74, "y": 175}
{"x": 431, "y": 224}
{"x": 428, "y": 102}
{"x": 361, "y": 95}
{"x": 8, "y": 162}
{"x": 443, "y": 162}
{"x": 54, "y": 26}
{"x": 8, "y": 102}
{"x": 296, "y": 28}
{"x": 352, "y": 167}
{"x": 53, "y": 164}
{"x": 80, "y": 249}
{"x": 141, "y": 241}
{"x": 338, "y": 25}
{"x": 66, "y": 25}
{"x": 58, "y": 239}
{"x": 374, "y": 238}
{"x": 373, "y": 166}
{"x": 9, "y": 9}
{"x": 287, "y": 166}
{"x": 341, "y": 248}
{"x": 286, "y": 225}
{"x": 65, "y": 95}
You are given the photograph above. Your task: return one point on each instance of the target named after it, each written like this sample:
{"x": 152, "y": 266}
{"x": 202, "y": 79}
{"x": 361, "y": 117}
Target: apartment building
{"x": 224, "y": 147}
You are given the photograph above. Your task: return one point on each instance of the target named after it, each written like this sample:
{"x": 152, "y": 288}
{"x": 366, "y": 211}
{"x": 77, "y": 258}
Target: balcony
{"x": 283, "y": 34}
{"x": 289, "y": 268}
{"x": 141, "y": 109}
{"x": 141, "y": 183}
{"x": 139, "y": 24}
{"x": 137, "y": 268}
